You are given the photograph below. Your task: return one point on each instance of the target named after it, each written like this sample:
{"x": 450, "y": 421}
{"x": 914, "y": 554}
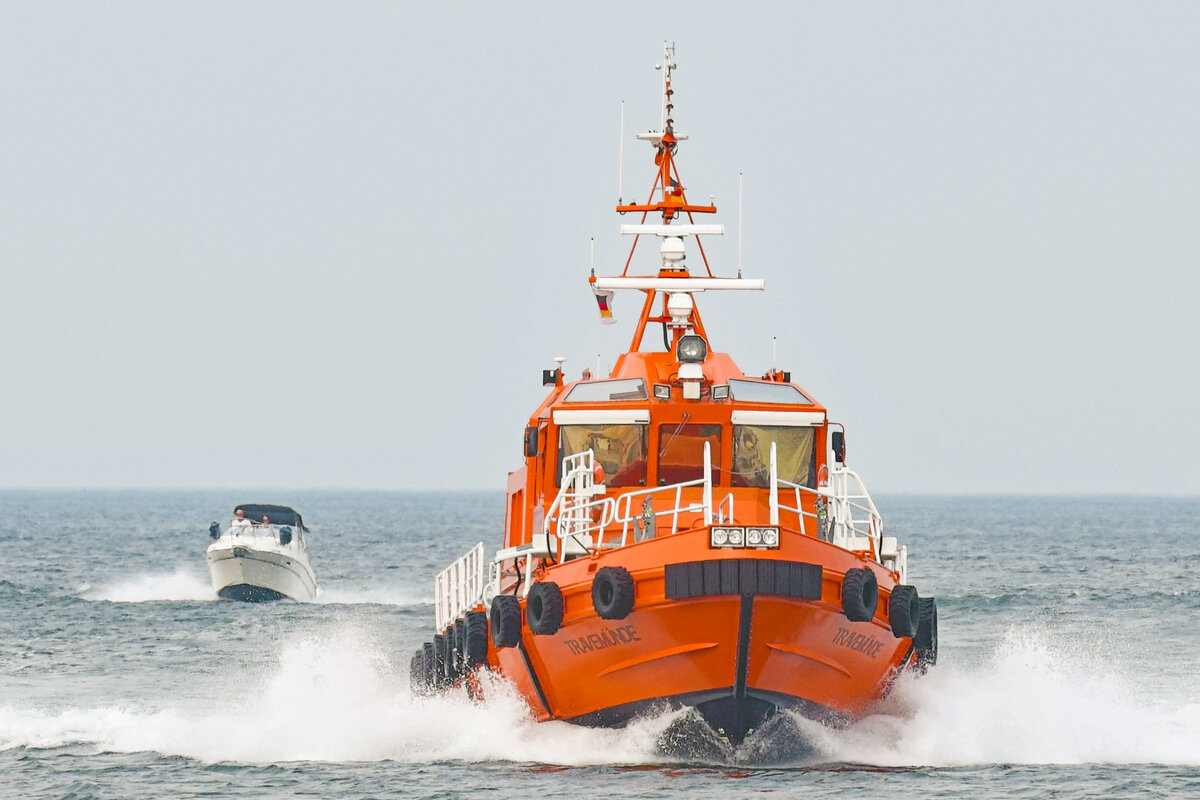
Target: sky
{"x": 333, "y": 245}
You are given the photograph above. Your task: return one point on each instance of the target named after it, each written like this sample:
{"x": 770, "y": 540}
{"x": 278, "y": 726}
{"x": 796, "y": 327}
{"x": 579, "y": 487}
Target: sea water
{"x": 1069, "y": 663}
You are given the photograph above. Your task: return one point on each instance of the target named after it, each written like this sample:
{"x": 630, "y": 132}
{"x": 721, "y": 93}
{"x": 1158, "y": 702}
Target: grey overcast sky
{"x": 302, "y": 245}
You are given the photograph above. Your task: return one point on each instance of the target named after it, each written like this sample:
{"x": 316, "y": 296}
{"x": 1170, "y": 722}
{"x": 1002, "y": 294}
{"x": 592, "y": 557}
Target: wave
{"x": 338, "y": 697}
{"x": 331, "y": 698}
{"x": 176, "y": 586}
{"x": 1031, "y": 703}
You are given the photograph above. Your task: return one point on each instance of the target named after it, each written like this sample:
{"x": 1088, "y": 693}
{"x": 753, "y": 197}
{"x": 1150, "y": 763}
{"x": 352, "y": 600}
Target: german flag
{"x": 604, "y": 300}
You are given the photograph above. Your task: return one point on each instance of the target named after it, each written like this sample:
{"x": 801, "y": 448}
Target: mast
{"x": 672, "y": 200}
{"x": 668, "y": 199}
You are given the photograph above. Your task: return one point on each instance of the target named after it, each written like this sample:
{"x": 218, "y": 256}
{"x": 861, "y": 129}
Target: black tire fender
{"x": 544, "y": 608}
{"x": 416, "y": 678}
{"x": 860, "y": 594}
{"x": 506, "y": 621}
{"x": 475, "y": 647}
{"x": 457, "y": 636}
{"x": 612, "y": 592}
{"x": 904, "y": 611}
{"x": 441, "y": 669}
{"x": 926, "y": 638}
{"x": 427, "y": 662}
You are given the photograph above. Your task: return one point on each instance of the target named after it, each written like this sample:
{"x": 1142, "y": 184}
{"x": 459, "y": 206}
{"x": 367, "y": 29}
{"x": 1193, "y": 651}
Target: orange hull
{"x": 742, "y": 643}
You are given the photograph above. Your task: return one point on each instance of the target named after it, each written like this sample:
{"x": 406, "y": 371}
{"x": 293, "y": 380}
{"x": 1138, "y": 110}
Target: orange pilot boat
{"x": 681, "y": 534}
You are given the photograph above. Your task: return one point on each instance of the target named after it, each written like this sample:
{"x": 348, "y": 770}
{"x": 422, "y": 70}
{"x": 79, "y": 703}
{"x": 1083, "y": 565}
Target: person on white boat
{"x": 266, "y": 520}
{"x": 239, "y": 518}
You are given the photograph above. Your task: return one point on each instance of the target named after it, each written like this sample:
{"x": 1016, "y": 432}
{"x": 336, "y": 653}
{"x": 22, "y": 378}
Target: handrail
{"x": 459, "y": 587}
{"x": 578, "y": 511}
{"x": 849, "y": 520}
{"x": 721, "y": 515}
{"x": 798, "y": 509}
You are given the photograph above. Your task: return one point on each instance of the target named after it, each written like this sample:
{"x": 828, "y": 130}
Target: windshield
{"x": 681, "y": 451}
{"x": 620, "y": 449}
{"x": 607, "y": 391}
{"x": 767, "y": 392}
{"x": 794, "y": 455}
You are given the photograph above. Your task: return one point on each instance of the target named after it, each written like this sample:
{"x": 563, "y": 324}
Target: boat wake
{"x": 383, "y": 596}
{"x": 180, "y": 585}
{"x": 340, "y": 696}
{"x": 1031, "y": 702}
{"x": 183, "y": 585}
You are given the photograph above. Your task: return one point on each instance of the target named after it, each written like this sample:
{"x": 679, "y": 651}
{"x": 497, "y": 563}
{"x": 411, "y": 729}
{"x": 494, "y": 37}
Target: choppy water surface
{"x": 1068, "y": 662}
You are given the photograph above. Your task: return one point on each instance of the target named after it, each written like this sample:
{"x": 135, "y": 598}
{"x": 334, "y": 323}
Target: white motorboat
{"x": 262, "y": 555}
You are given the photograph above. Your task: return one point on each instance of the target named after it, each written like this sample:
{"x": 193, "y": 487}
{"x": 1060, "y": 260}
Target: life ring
{"x": 598, "y": 474}
{"x": 612, "y": 592}
{"x": 904, "y": 611}
{"x": 544, "y": 608}
{"x": 475, "y": 647}
{"x": 860, "y": 594}
{"x": 506, "y": 621}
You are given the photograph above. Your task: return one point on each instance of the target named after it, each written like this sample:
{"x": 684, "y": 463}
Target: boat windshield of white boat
{"x": 258, "y": 513}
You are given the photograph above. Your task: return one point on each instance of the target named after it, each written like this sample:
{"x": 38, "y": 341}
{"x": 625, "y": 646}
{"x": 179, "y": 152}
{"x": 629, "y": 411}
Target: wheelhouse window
{"x": 767, "y": 392}
{"x": 681, "y": 451}
{"x": 620, "y": 449}
{"x": 607, "y": 391}
{"x": 795, "y": 457}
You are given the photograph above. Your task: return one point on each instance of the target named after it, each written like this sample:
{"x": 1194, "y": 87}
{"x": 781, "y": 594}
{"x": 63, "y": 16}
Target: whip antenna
{"x": 621, "y": 160}
{"x": 739, "y": 224}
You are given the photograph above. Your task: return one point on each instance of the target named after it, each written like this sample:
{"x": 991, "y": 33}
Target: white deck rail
{"x": 582, "y": 521}
{"x": 459, "y": 587}
{"x": 581, "y": 515}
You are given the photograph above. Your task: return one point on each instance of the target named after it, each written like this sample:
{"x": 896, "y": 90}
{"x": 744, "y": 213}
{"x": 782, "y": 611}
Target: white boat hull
{"x": 255, "y": 566}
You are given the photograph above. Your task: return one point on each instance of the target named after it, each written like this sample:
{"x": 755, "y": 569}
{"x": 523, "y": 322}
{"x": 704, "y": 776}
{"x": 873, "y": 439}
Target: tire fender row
{"x": 612, "y": 597}
{"x": 454, "y": 653}
{"x": 909, "y": 615}
{"x": 462, "y": 647}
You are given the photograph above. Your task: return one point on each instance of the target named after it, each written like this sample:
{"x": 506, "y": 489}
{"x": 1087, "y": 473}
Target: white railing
{"x": 851, "y": 522}
{"x": 581, "y": 519}
{"x": 580, "y": 508}
{"x": 580, "y": 515}
{"x": 723, "y": 516}
{"x": 796, "y": 492}
{"x": 459, "y": 587}
{"x": 853, "y": 516}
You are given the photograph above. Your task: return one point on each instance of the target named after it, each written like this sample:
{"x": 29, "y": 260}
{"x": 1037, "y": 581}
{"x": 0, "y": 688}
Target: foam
{"x": 174, "y": 586}
{"x": 382, "y": 595}
{"x": 339, "y": 696}
{"x": 336, "y": 698}
{"x": 1028, "y": 704}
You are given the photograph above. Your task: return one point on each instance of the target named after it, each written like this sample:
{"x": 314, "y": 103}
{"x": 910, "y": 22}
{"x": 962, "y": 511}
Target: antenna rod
{"x": 774, "y": 341}
{"x": 739, "y": 224}
{"x": 621, "y": 160}
{"x": 593, "y": 255}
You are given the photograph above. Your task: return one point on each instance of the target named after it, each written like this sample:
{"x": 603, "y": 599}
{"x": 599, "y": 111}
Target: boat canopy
{"x": 279, "y": 515}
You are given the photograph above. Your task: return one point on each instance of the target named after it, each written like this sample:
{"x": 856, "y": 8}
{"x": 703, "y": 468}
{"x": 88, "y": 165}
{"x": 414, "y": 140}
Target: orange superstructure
{"x": 682, "y": 534}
